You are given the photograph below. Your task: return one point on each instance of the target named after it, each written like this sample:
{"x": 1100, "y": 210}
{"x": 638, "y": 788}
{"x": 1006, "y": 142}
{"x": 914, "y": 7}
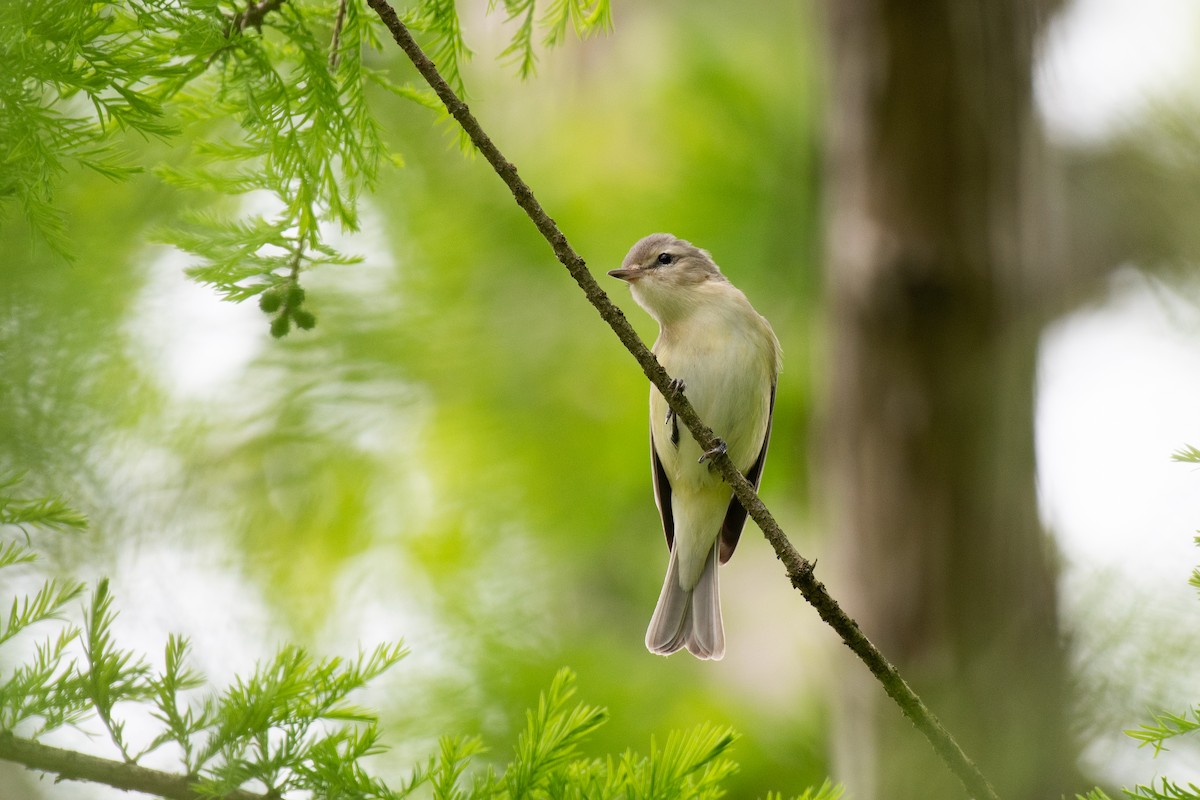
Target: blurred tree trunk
{"x": 939, "y": 275}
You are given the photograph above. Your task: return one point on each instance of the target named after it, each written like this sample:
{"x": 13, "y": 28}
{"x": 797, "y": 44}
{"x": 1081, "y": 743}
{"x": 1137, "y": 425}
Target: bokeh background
{"x": 456, "y": 455}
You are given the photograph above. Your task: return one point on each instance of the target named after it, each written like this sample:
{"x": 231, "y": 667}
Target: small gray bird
{"x": 725, "y": 357}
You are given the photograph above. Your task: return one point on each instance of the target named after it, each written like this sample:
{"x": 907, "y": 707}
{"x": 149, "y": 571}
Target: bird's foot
{"x": 675, "y": 389}
{"x": 713, "y": 453}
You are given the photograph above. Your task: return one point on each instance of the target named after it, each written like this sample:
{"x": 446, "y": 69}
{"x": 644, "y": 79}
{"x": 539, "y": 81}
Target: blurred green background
{"x": 457, "y": 454}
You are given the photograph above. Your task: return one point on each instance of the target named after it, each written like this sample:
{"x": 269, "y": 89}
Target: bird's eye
{"x": 665, "y": 258}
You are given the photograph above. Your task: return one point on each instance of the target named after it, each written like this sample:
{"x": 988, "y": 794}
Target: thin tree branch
{"x": 337, "y": 35}
{"x": 253, "y": 16}
{"x": 71, "y": 766}
{"x": 799, "y": 569}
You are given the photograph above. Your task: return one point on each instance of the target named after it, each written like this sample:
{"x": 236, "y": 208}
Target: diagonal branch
{"x": 799, "y": 569}
{"x": 336, "y": 44}
{"x": 71, "y": 766}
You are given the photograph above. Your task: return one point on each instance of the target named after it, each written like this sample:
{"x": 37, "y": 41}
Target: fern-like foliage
{"x": 438, "y": 19}
{"x": 1187, "y": 453}
{"x": 826, "y": 791}
{"x": 47, "y": 689}
{"x": 282, "y": 112}
{"x": 51, "y": 513}
{"x": 1165, "y": 790}
{"x": 587, "y": 17}
{"x": 75, "y": 74}
{"x": 291, "y": 728}
{"x": 551, "y": 738}
{"x": 272, "y": 97}
{"x": 1165, "y": 727}
{"x": 109, "y": 674}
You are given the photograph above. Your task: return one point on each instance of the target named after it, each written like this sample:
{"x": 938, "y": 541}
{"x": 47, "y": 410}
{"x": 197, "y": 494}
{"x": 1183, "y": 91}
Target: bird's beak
{"x": 629, "y": 275}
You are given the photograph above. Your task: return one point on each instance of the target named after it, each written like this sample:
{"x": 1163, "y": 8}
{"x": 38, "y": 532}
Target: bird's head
{"x": 665, "y": 274}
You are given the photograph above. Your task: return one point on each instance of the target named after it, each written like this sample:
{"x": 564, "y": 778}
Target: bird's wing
{"x": 735, "y": 516}
{"x": 662, "y": 494}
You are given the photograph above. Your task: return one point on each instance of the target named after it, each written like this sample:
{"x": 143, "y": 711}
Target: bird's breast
{"x": 727, "y": 374}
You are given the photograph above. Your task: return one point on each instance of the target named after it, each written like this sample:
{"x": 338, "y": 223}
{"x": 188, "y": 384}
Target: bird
{"x": 725, "y": 357}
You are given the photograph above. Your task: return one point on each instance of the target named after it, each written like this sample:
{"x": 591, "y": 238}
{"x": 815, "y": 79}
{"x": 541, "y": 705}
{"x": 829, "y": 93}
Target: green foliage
{"x": 270, "y": 728}
{"x": 75, "y": 74}
{"x": 46, "y": 512}
{"x": 273, "y": 96}
{"x": 684, "y": 759}
{"x": 1188, "y": 453}
{"x": 48, "y": 687}
{"x": 291, "y": 727}
{"x": 1157, "y": 734}
{"x": 283, "y": 112}
{"x": 447, "y": 49}
{"x": 111, "y": 675}
{"x": 587, "y": 16}
{"x": 551, "y": 737}
{"x": 399, "y": 450}
{"x": 826, "y": 791}
{"x": 182, "y": 722}
{"x": 1191, "y": 455}
{"x": 1165, "y": 726}
{"x": 1165, "y": 791}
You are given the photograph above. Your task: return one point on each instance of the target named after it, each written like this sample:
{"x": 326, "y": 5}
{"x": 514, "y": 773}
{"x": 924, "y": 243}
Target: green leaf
{"x": 454, "y": 756}
{"x": 47, "y": 603}
{"x": 551, "y": 736}
{"x": 46, "y": 512}
{"x": 113, "y": 675}
{"x": 116, "y": 55}
{"x": 47, "y": 688}
{"x": 1165, "y": 727}
{"x": 694, "y": 758}
{"x": 1187, "y": 453}
{"x": 1166, "y": 791}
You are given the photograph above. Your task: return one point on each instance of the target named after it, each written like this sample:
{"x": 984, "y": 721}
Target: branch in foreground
{"x": 253, "y": 16}
{"x": 799, "y": 569}
{"x": 72, "y": 766}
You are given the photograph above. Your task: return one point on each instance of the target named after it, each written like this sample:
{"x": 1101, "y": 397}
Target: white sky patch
{"x": 185, "y": 585}
{"x": 1117, "y": 395}
{"x": 1103, "y": 61}
{"x": 1118, "y": 389}
{"x": 196, "y": 344}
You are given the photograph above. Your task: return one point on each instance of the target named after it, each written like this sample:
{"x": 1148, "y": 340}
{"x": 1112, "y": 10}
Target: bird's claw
{"x": 675, "y": 388}
{"x": 714, "y": 452}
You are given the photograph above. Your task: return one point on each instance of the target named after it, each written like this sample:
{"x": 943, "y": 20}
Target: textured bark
{"x": 939, "y": 269}
{"x": 67, "y": 765}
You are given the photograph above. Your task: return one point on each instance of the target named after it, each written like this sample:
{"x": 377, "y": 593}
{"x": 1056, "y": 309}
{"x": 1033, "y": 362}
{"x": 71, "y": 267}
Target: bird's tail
{"x": 688, "y": 618}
